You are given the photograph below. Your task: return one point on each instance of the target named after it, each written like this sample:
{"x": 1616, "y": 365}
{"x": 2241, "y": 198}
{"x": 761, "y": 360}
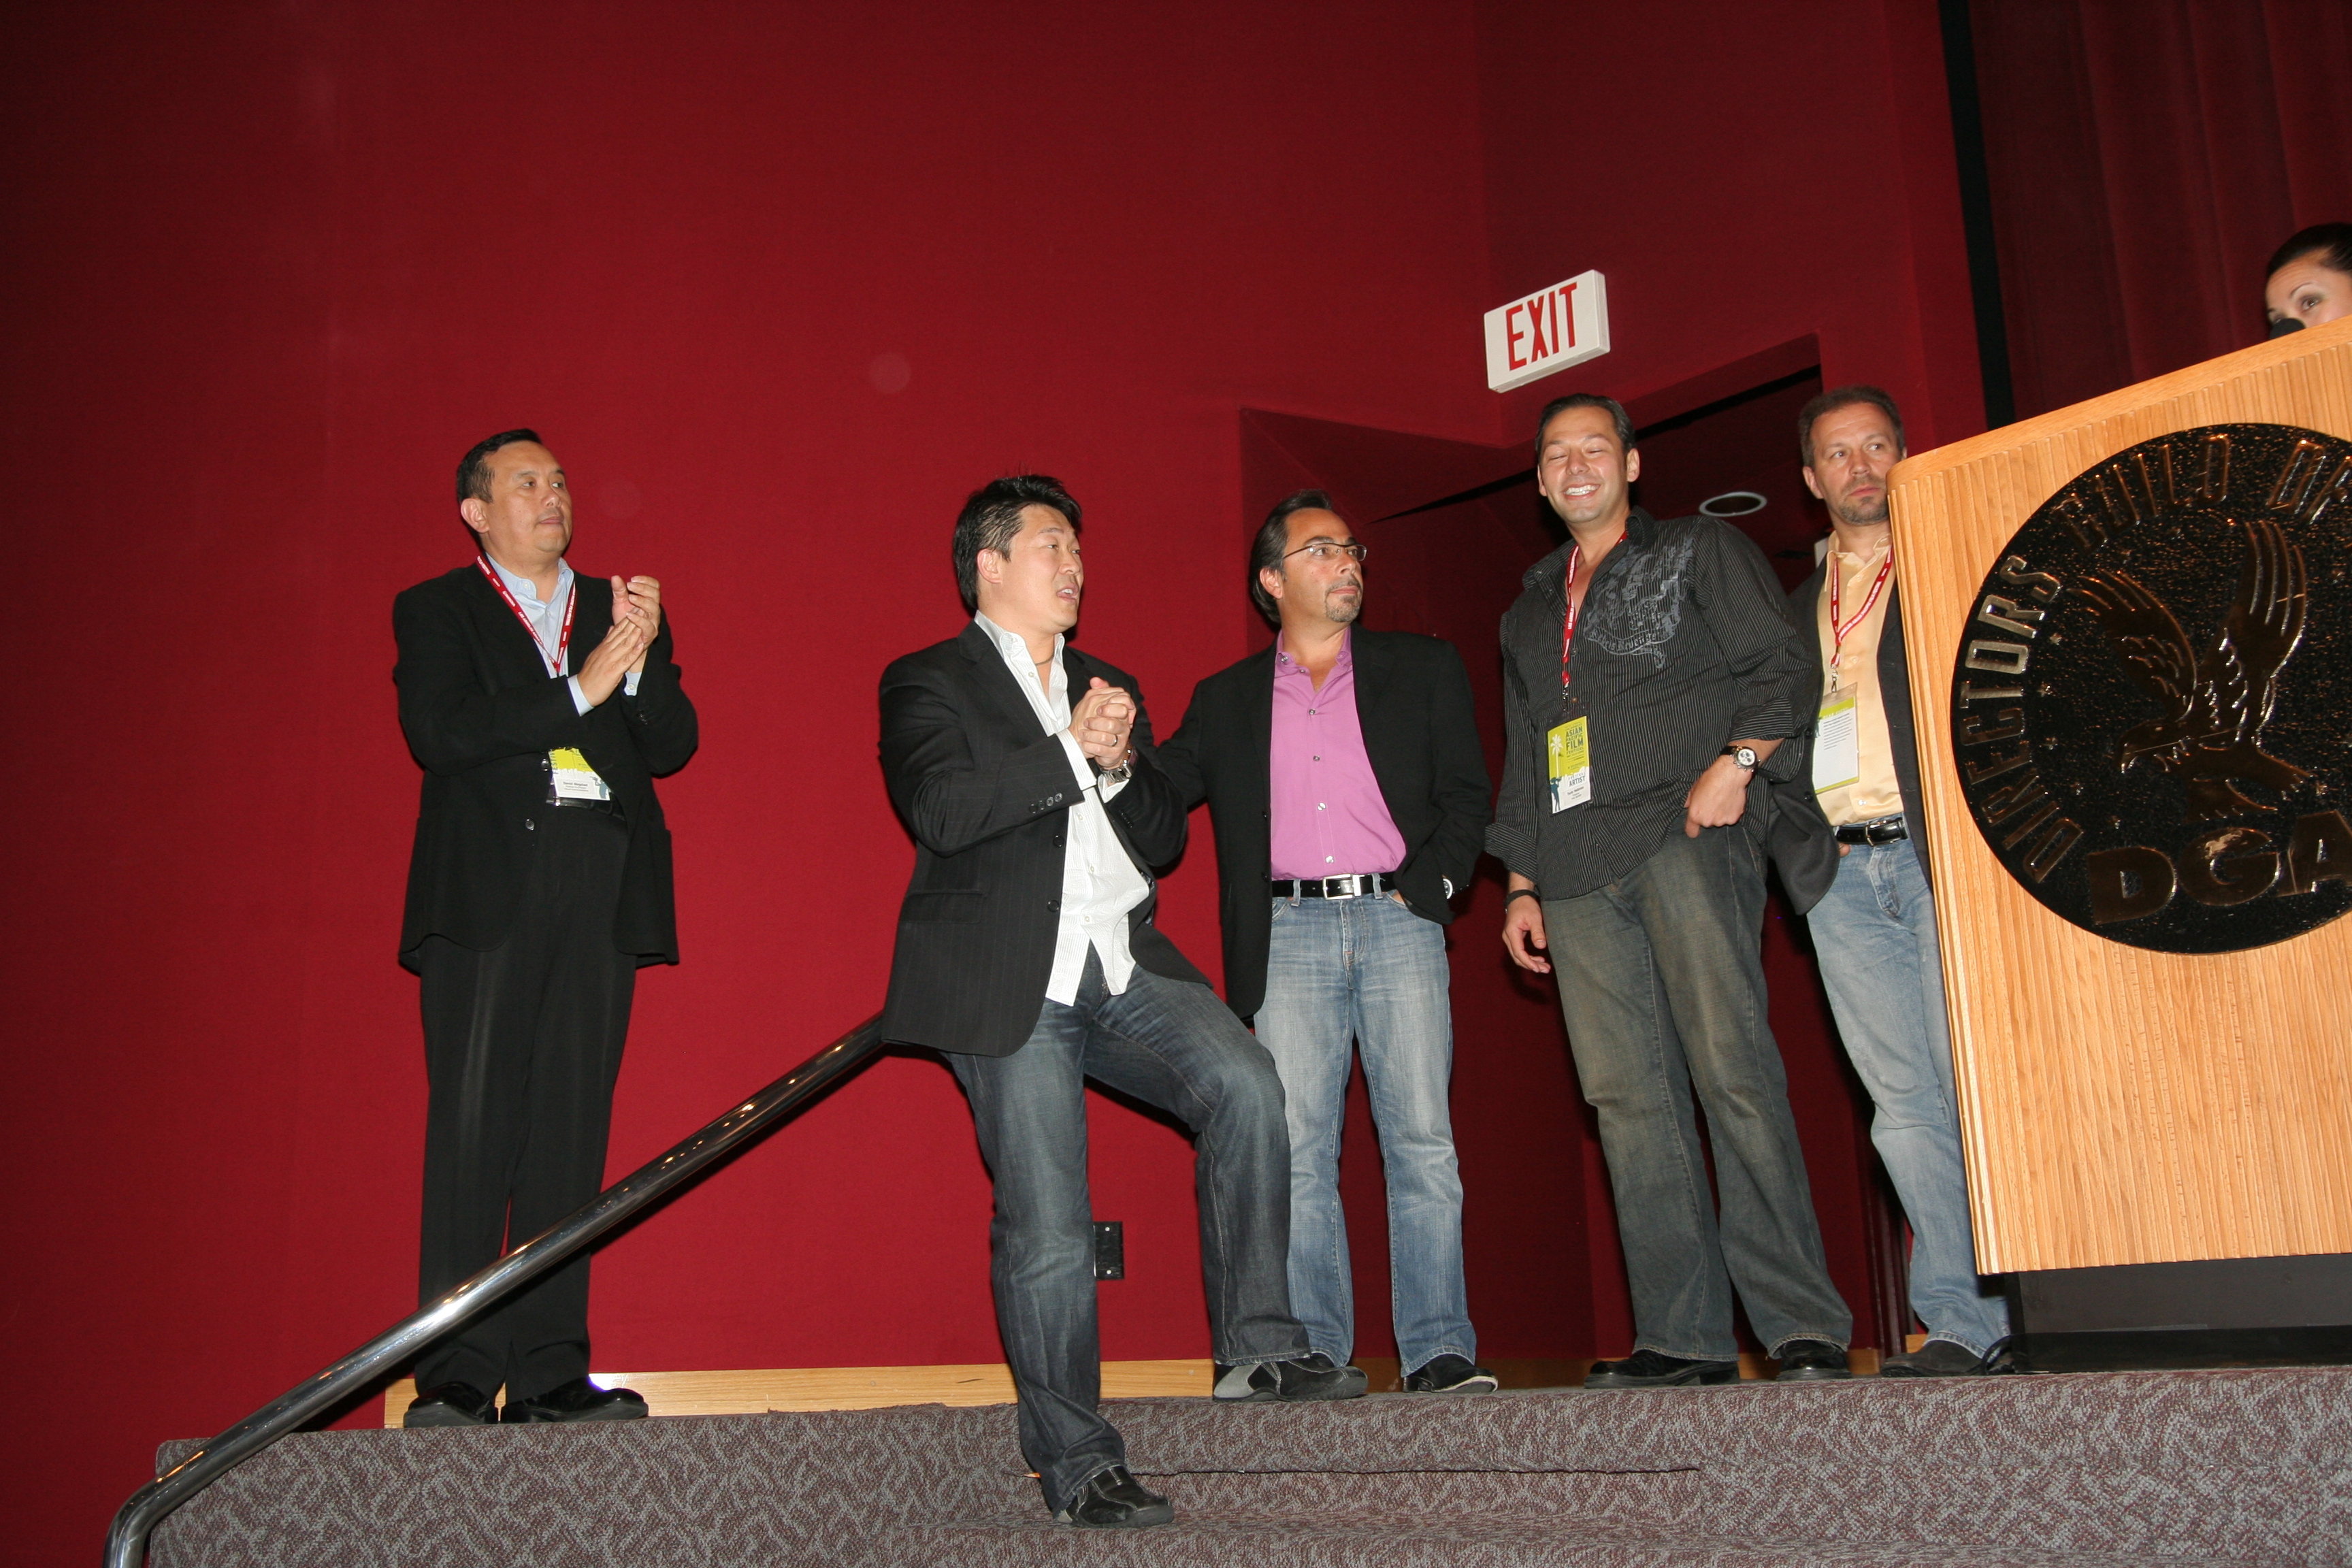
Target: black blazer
{"x": 1894, "y": 694}
{"x": 1413, "y": 702}
{"x": 481, "y": 713}
{"x": 987, "y": 794}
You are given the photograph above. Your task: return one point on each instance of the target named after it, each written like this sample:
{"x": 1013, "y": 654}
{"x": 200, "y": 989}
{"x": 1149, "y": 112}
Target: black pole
{"x": 1976, "y": 213}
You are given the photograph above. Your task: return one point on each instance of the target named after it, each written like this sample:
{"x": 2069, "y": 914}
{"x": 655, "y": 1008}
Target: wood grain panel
{"x": 2120, "y": 1105}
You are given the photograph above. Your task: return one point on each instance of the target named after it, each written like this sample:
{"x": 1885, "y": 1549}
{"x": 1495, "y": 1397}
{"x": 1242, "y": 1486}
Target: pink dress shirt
{"x": 1327, "y": 816}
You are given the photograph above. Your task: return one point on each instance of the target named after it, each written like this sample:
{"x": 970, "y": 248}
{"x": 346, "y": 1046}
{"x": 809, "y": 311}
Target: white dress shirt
{"x": 1102, "y": 884}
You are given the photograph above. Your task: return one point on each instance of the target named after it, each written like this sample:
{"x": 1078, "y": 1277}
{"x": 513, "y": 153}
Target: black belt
{"x": 1885, "y": 830}
{"x": 1336, "y": 887}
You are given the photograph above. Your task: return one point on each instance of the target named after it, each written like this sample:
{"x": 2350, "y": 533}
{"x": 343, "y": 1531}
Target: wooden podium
{"x": 2125, "y": 1104}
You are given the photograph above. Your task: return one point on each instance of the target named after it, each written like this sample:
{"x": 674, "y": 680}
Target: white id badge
{"x": 1568, "y": 764}
{"x": 1837, "y": 743}
{"x": 574, "y": 779}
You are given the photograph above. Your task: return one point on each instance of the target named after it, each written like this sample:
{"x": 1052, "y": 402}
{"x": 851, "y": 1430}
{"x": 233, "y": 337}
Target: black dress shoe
{"x": 1812, "y": 1361}
{"x": 1115, "y": 1500}
{"x": 1451, "y": 1373}
{"x": 578, "y": 1400}
{"x": 450, "y": 1405}
{"x": 1311, "y": 1376}
{"x": 1650, "y": 1369}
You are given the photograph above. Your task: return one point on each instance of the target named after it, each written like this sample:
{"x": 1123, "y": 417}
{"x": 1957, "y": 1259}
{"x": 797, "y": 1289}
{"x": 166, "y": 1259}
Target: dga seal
{"x": 2152, "y": 703}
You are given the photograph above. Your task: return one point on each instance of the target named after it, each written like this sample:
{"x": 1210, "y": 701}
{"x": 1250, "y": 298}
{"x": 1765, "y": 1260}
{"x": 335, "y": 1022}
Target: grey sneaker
{"x": 1451, "y": 1373}
{"x": 1311, "y": 1376}
{"x": 1936, "y": 1358}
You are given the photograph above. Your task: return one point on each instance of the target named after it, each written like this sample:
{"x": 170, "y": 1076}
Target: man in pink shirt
{"x": 1348, "y": 793}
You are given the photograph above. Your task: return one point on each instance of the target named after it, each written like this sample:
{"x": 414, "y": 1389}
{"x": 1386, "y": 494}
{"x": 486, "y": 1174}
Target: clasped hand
{"x": 636, "y": 621}
{"x": 1102, "y": 720}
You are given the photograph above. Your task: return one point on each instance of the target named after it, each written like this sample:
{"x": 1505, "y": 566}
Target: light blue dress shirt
{"x": 546, "y": 619}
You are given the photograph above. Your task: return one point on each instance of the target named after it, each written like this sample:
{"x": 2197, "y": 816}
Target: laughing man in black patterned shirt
{"x": 1651, "y": 672}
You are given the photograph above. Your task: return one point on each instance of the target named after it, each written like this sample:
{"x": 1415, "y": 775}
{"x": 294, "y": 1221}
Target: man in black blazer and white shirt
{"x": 1344, "y": 774}
{"x": 540, "y": 883}
{"x": 1025, "y": 772}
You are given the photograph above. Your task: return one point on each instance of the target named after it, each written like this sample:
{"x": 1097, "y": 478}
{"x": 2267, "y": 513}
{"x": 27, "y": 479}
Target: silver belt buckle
{"x": 1343, "y": 886}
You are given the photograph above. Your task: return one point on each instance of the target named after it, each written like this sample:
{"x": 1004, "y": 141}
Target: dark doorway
{"x": 1452, "y": 528}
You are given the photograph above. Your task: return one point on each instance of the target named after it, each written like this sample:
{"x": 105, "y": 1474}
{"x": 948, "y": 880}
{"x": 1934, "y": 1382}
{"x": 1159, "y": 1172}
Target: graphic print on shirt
{"x": 1640, "y": 607}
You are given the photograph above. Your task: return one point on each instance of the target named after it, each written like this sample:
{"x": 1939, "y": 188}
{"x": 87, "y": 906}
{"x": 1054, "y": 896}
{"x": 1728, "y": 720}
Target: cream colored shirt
{"x": 1100, "y": 883}
{"x": 1854, "y": 672}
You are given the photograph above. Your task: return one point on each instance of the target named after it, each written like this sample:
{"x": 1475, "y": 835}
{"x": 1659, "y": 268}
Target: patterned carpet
{"x": 2251, "y": 1467}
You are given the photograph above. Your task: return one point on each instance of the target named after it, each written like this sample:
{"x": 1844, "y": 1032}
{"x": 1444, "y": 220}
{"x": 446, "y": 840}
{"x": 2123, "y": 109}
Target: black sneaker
{"x": 1812, "y": 1361}
{"x": 450, "y": 1405}
{"x": 1936, "y": 1358}
{"x": 1451, "y": 1373}
{"x": 1311, "y": 1376}
{"x": 1115, "y": 1500}
{"x": 1649, "y": 1369}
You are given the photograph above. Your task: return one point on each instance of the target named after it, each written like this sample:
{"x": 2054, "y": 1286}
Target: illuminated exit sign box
{"x": 1548, "y": 331}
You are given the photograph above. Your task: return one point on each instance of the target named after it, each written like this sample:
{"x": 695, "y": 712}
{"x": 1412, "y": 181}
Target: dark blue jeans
{"x": 1662, "y": 984}
{"x": 1170, "y": 1042}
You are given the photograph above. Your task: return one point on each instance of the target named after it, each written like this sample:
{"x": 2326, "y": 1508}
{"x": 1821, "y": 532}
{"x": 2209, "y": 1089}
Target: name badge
{"x": 1568, "y": 760}
{"x": 574, "y": 778}
{"x": 1837, "y": 743}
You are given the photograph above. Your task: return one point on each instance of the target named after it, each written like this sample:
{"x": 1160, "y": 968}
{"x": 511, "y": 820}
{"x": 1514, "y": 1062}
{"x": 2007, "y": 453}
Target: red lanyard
{"x": 555, "y": 666}
{"x": 1839, "y": 628}
{"x": 1568, "y": 627}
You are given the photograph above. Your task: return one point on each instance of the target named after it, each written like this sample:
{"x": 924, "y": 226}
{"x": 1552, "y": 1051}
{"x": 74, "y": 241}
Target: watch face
{"x": 1745, "y": 756}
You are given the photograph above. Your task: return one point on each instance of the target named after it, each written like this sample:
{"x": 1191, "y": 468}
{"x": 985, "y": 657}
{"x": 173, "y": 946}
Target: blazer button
{"x": 1053, "y": 906}
{"x": 528, "y": 825}
{"x": 1057, "y": 841}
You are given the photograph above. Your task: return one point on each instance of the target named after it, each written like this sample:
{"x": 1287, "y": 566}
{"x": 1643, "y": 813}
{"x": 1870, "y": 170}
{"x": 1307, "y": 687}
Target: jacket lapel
{"x": 999, "y": 684}
{"x": 508, "y": 642}
{"x": 1375, "y": 661}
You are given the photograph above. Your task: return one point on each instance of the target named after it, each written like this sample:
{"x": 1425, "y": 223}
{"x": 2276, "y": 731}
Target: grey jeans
{"x": 1170, "y": 1042}
{"x": 1662, "y": 984}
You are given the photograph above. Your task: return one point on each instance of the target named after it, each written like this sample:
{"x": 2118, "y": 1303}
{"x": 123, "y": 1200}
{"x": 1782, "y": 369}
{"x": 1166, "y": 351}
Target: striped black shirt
{"x": 1684, "y": 645}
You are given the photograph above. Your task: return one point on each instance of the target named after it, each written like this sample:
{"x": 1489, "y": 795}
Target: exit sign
{"x": 1550, "y": 329}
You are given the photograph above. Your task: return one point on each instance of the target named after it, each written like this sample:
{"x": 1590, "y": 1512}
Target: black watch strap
{"x": 1521, "y": 893}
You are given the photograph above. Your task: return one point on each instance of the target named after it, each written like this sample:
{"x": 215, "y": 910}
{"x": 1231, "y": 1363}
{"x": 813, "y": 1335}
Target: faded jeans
{"x": 1875, "y": 932}
{"x": 1368, "y": 972}
{"x": 1170, "y": 1042}
{"x": 1662, "y": 984}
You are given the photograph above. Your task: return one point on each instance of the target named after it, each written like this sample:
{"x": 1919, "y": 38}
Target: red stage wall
{"x": 779, "y": 285}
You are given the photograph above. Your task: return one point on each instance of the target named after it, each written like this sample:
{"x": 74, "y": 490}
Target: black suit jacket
{"x": 987, "y": 794}
{"x": 481, "y": 713}
{"x": 1894, "y": 694}
{"x": 1412, "y": 703}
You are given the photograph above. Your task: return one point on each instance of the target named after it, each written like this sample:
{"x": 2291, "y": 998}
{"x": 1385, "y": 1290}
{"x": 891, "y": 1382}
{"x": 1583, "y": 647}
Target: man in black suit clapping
{"x": 1025, "y": 772}
{"x": 540, "y": 883}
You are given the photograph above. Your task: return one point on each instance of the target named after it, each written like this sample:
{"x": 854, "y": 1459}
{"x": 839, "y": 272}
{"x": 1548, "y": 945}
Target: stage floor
{"x": 2235, "y": 1467}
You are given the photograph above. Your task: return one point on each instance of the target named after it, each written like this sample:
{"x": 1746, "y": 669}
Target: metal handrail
{"x": 126, "y": 1541}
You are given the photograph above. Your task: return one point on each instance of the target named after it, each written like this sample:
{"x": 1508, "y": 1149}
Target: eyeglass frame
{"x": 1355, "y": 548}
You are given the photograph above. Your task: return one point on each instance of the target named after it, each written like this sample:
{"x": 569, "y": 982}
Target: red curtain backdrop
{"x": 2146, "y": 157}
{"x": 779, "y": 285}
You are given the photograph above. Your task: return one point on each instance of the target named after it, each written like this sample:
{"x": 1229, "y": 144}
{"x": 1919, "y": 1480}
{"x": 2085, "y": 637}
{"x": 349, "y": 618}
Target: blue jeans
{"x": 1875, "y": 932}
{"x": 1370, "y": 973}
{"x": 1170, "y": 1042}
{"x": 1662, "y": 984}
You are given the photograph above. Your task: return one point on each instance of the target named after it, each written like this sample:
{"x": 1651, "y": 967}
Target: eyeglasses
{"x": 1324, "y": 550}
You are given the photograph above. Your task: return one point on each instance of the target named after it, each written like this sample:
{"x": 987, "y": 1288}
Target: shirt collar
{"x": 1012, "y": 645}
{"x": 1347, "y": 659}
{"x": 522, "y": 588}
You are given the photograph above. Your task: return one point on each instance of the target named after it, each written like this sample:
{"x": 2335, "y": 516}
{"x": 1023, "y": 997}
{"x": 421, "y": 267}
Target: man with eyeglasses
{"x": 1348, "y": 792}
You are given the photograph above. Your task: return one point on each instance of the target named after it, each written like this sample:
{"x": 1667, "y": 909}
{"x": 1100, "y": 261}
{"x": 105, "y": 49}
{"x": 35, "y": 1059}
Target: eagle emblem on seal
{"x": 2216, "y": 700}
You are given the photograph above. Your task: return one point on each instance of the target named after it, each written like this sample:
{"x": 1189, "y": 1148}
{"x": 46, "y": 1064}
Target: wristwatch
{"x": 1744, "y": 755}
{"x": 1119, "y": 774}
